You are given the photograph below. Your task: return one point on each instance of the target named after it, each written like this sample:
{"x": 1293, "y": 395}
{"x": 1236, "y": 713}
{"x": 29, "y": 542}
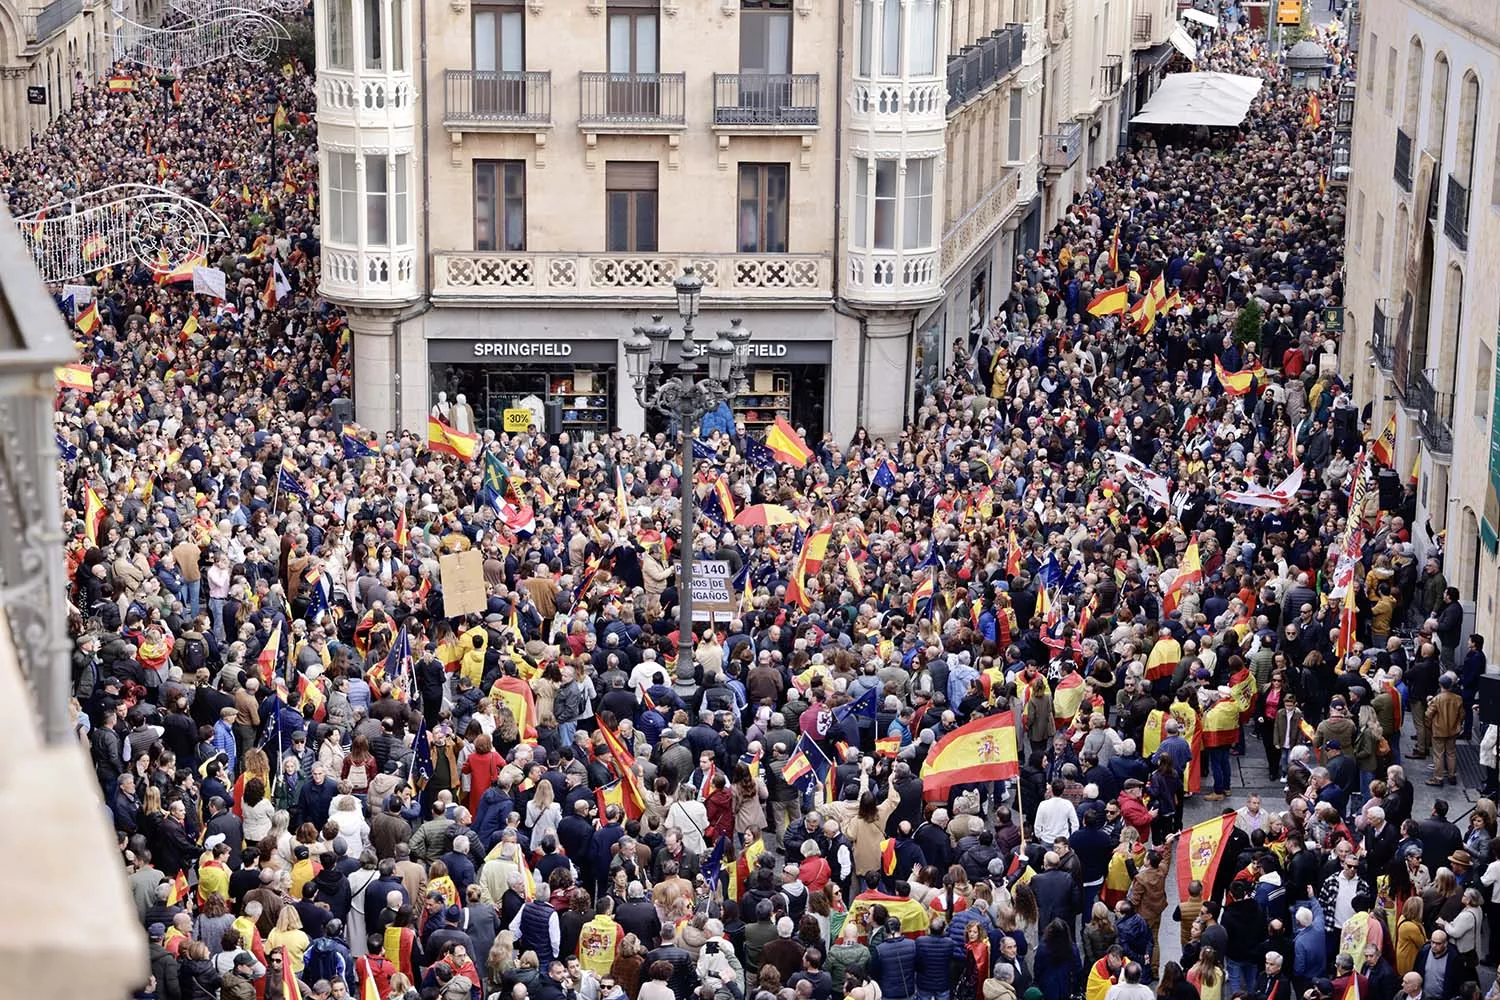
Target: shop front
{"x": 785, "y": 378}
{"x": 577, "y": 378}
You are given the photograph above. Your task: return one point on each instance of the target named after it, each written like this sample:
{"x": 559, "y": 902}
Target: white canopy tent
{"x": 1215, "y": 99}
{"x": 1183, "y": 42}
{"x": 1201, "y": 17}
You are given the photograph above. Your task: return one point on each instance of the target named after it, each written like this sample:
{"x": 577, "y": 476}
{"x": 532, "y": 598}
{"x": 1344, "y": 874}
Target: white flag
{"x": 283, "y": 287}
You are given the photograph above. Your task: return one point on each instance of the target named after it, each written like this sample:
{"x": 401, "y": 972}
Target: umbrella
{"x": 765, "y": 515}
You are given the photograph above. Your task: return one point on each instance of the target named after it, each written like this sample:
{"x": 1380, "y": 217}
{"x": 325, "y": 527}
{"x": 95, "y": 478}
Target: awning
{"x": 1200, "y": 17}
{"x": 1183, "y": 42}
{"x": 1147, "y": 60}
{"x": 1216, "y": 99}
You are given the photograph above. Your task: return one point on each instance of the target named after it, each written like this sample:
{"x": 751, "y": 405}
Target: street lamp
{"x": 706, "y": 376}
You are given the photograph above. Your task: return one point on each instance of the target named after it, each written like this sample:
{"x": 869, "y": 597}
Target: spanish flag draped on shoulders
{"x": 1154, "y": 732}
{"x": 1221, "y": 723}
{"x": 1165, "y": 654}
{"x": 1100, "y": 980}
{"x": 597, "y": 944}
{"x": 1192, "y": 731}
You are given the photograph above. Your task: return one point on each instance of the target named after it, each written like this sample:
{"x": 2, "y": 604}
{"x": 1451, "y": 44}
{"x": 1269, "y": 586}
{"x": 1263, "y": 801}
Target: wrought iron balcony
{"x": 1112, "y": 73}
{"x": 632, "y": 101}
{"x": 1141, "y": 28}
{"x": 489, "y": 99}
{"x": 1418, "y": 393}
{"x": 1382, "y": 336}
{"x": 1436, "y": 421}
{"x": 1061, "y": 150}
{"x": 1403, "y": 159}
{"x": 1456, "y": 214}
{"x": 977, "y": 67}
{"x": 769, "y": 100}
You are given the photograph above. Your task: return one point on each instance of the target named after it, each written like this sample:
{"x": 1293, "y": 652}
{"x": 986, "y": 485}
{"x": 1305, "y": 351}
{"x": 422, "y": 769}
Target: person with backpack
{"x": 329, "y": 958}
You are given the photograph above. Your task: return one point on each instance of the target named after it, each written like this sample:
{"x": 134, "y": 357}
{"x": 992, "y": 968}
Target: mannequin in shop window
{"x": 441, "y": 409}
{"x": 463, "y": 415}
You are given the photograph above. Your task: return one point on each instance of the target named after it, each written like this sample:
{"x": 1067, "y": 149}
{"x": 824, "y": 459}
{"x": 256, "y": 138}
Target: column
{"x": 372, "y": 334}
{"x": 887, "y": 372}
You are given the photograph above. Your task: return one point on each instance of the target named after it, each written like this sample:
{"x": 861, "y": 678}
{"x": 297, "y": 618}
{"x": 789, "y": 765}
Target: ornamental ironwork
{"x": 117, "y": 224}
{"x": 225, "y": 33}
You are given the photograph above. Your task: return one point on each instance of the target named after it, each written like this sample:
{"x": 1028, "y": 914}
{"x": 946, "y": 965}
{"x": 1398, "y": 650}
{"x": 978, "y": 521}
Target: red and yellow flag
{"x": 1190, "y": 570}
{"x": 269, "y": 658}
{"x": 1114, "y": 249}
{"x": 289, "y": 987}
{"x": 1199, "y": 851}
{"x": 888, "y": 853}
{"x": 787, "y": 445}
{"x": 448, "y": 441}
{"x": 93, "y": 514}
{"x": 76, "y": 376}
{"x": 1110, "y": 302}
{"x": 912, "y": 914}
{"x": 88, "y": 322}
{"x": 1221, "y": 724}
{"x": 622, "y": 503}
{"x": 1348, "y": 625}
{"x": 982, "y": 750}
{"x": 1235, "y": 383}
{"x": 1384, "y": 447}
{"x": 924, "y": 592}
{"x": 121, "y": 84}
{"x": 178, "y": 894}
{"x": 888, "y": 746}
{"x": 515, "y": 695}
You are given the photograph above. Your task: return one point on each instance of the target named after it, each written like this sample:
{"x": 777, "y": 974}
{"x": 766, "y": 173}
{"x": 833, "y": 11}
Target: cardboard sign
{"x": 462, "y": 575}
{"x": 517, "y": 420}
{"x": 712, "y": 588}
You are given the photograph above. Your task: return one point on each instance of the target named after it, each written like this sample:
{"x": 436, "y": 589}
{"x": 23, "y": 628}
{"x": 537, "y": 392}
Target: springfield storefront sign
{"x": 543, "y": 352}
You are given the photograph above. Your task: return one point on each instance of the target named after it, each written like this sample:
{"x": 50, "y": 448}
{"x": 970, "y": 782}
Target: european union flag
{"x": 885, "y": 474}
{"x": 712, "y": 509}
{"x": 704, "y": 452}
{"x": 865, "y": 706}
{"x": 820, "y": 764}
{"x": 421, "y": 755}
{"x": 398, "y": 660}
{"x": 68, "y": 452}
{"x": 354, "y": 447}
{"x": 758, "y": 455}
{"x": 743, "y": 576}
{"x": 287, "y": 480}
{"x": 1049, "y": 574}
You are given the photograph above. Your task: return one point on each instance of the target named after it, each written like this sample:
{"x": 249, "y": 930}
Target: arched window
{"x": 1414, "y": 67}
{"x": 1468, "y": 121}
{"x": 1437, "y": 116}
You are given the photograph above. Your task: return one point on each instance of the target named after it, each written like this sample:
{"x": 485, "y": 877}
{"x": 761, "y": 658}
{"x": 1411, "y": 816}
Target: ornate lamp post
{"x": 704, "y": 377}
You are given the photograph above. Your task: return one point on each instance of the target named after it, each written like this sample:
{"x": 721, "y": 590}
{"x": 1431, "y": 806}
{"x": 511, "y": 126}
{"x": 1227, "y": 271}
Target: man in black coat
{"x": 932, "y": 837}
{"x": 1380, "y": 844}
{"x": 909, "y": 807}
{"x": 1439, "y": 837}
{"x": 225, "y": 823}
{"x": 638, "y": 916}
{"x": 1057, "y": 895}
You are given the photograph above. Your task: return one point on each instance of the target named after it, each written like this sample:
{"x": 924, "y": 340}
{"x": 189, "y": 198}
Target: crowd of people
{"x": 322, "y": 783}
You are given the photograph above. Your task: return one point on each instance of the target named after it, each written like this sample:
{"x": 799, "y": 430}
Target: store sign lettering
{"x": 521, "y": 349}
{"x": 767, "y": 350}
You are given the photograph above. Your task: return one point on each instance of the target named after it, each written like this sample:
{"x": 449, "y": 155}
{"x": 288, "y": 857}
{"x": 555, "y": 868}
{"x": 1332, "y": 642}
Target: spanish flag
{"x": 93, "y": 515}
{"x": 912, "y": 914}
{"x": 1110, "y": 302}
{"x": 182, "y": 272}
{"x": 726, "y": 498}
{"x": 625, "y": 768}
{"x": 289, "y": 987}
{"x": 1384, "y": 447}
{"x": 1221, "y": 724}
{"x": 1067, "y": 697}
{"x": 161, "y": 168}
{"x": 80, "y": 377}
{"x": 853, "y": 573}
{"x": 88, "y": 322}
{"x": 403, "y": 538}
{"x": 982, "y": 750}
{"x": 797, "y": 767}
{"x": 268, "y": 296}
{"x": 121, "y": 84}
{"x": 924, "y": 592}
{"x": 1014, "y": 557}
{"x": 94, "y": 247}
{"x": 1314, "y": 111}
{"x": 1348, "y": 626}
{"x": 1114, "y": 249}
{"x": 269, "y": 657}
{"x": 1234, "y": 383}
{"x": 786, "y": 444}
{"x": 279, "y": 120}
{"x": 1162, "y": 662}
{"x": 888, "y": 855}
{"x": 1190, "y": 570}
{"x": 515, "y": 694}
{"x": 178, "y": 894}
{"x": 190, "y": 327}
{"x": 888, "y": 746}
{"x": 447, "y": 441}
{"x": 1199, "y": 851}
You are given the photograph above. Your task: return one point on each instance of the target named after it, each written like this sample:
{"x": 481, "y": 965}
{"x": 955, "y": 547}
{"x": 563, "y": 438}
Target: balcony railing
{"x": 1436, "y": 421}
{"x": 638, "y": 277}
{"x": 632, "y": 100}
{"x": 976, "y": 67}
{"x": 1456, "y": 213}
{"x": 487, "y": 98}
{"x": 1141, "y": 26}
{"x": 1112, "y": 75}
{"x": 1382, "y": 336}
{"x": 44, "y": 22}
{"x": 1418, "y": 393}
{"x": 1060, "y": 150}
{"x": 766, "y": 99}
{"x": 1403, "y": 159}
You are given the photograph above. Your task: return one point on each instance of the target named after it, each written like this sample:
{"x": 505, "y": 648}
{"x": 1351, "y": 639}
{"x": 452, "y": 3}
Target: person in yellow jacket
{"x": 1104, "y": 973}
{"x": 600, "y": 939}
{"x": 304, "y": 869}
{"x": 472, "y": 666}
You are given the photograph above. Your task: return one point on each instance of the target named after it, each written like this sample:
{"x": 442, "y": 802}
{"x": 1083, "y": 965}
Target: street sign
{"x": 36, "y": 95}
{"x": 712, "y": 589}
{"x": 1288, "y": 12}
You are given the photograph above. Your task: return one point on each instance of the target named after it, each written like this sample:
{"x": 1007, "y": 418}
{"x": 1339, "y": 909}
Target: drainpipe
{"x": 839, "y": 306}
{"x": 426, "y": 305}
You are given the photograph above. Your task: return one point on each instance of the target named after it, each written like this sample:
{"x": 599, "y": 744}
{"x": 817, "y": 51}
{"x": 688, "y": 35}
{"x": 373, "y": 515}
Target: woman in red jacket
{"x": 720, "y": 807}
{"x": 482, "y": 767}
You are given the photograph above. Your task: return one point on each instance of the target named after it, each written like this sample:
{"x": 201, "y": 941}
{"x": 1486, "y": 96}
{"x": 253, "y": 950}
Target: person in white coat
{"x": 352, "y": 824}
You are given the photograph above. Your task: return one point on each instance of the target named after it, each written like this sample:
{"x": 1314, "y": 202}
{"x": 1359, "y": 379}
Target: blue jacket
{"x": 1058, "y": 977}
{"x": 1134, "y": 937}
{"x": 935, "y": 955}
{"x": 893, "y": 964}
{"x": 329, "y": 959}
{"x": 1310, "y": 948}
